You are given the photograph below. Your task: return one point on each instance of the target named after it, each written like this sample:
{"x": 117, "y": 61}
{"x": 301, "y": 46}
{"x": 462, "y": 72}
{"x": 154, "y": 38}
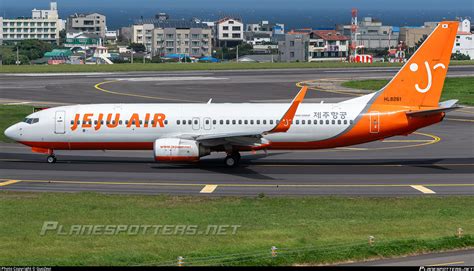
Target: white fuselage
{"x": 312, "y": 121}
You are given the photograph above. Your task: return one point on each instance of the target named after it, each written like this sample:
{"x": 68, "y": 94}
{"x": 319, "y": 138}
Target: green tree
{"x": 460, "y": 56}
{"x": 137, "y": 47}
{"x": 8, "y": 56}
{"x": 33, "y": 49}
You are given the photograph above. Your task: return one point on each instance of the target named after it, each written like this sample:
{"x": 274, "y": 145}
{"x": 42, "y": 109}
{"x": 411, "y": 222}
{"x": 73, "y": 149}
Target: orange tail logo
{"x": 420, "y": 81}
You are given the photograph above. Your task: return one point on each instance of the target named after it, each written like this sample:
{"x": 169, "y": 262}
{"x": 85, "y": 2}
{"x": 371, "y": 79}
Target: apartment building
{"x": 93, "y": 23}
{"x": 43, "y": 25}
{"x": 164, "y": 37}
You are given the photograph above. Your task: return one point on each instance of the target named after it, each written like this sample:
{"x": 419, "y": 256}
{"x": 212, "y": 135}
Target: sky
{"x": 257, "y": 4}
{"x": 293, "y": 13}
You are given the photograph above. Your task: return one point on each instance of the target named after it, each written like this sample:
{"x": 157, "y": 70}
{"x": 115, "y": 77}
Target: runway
{"x": 438, "y": 160}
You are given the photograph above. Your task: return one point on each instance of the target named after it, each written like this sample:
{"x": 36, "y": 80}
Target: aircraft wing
{"x": 250, "y": 138}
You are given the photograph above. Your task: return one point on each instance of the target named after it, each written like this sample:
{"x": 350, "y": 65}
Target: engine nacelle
{"x": 178, "y": 150}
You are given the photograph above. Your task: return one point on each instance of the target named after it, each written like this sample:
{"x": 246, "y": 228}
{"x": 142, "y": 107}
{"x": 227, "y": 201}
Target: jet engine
{"x": 178, "y": 150}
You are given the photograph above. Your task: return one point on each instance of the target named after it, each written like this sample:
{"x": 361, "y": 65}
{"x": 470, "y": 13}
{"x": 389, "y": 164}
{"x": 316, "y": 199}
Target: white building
{"x": 464, "y": 39}
{"x": 230, "y": 31}
{"x": 43, "y": 25}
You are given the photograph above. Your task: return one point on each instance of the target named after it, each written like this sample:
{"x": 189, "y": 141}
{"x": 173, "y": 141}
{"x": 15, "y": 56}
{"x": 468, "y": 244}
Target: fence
{"x": 274, "y": 253}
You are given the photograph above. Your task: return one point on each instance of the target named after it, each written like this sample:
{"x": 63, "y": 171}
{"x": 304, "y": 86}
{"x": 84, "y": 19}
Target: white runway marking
{"x": 18, "y": 103}
{"x": 166, "y": 79}
{"x": 423, "y": 189}
{"x": 208, "y": 189}
{"x": 58, "y": 74}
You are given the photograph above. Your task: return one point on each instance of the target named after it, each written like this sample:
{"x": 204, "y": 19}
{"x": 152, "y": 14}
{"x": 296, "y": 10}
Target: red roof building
{"x": 328, "y": 45}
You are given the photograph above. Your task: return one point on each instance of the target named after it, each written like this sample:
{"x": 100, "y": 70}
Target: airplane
{"x": 187, "y": 132}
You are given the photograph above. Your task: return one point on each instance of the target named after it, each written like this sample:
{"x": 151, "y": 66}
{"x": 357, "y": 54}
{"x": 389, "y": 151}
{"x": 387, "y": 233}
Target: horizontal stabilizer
{"x": 446, "y": 107}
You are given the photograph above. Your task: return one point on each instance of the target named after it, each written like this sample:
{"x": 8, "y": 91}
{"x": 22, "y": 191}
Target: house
{"x": 293, "y": 48}
{"x": 327, "y": 45}
{"x": 230, "y": 32}
{"x": 464, "y": 43}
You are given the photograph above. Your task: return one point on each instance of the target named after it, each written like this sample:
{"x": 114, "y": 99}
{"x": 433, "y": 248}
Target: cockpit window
{"x": 31, "y": 120}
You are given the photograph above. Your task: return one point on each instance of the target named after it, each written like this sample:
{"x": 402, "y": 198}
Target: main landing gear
{"x": 232, "y": 159}
{"x": 51, "y": 159}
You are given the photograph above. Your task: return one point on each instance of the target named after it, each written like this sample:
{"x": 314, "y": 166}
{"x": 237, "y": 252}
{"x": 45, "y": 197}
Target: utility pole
{"x": 237, "y": 53}
{"x": 131, "y": 56}
{"x": 17, "y": 57}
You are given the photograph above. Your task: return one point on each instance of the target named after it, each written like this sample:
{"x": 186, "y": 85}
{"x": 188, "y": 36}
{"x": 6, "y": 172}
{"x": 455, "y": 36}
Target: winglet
{"x": 285, "y": 122}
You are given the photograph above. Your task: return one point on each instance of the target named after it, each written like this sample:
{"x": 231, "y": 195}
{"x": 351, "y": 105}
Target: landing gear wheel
{"x": 232, "y": 160}
{"x": 51, "y": 159}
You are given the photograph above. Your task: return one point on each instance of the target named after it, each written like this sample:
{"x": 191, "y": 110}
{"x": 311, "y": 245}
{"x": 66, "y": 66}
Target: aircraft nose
{"x": 11, "y": 132}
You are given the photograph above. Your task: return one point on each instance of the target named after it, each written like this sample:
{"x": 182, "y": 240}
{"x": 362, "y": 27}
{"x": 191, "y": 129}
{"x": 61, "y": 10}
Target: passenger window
{"x": 102, "y": 122}
{"x": 240, "y": 122}
{"x": 264, "y": 122}
{"x": 251, "y": 122}
{"x": 339, "y": 122}
{"x": 277, "y": 121}
{"x": 234, "y": 122}
{"x": 246, "y": 122}
{"x": 113, "y": 122}
{"x": 297, "y": 121}
{"x": 303, "y": 122}
{"x": 195, "y": 122}
{"x": 214, "y": 122}
{"x": 345, "y": 121}
{"x": 327, "y": 121}
{"x": 126, "y": 122}
{"x": 315, "y": 121}
{"x": 227, "y": 122}
{"x": 166, "y": 122}
{"x": 221, "y": 122}
{"x": 120, "y": 122}
{"x": 351, "y": 121}
{"x": 258, "y": 122}
{"x": 178, "y": 122}
{"x": 72, "y": 122}
{"x": 140, "y": 122}
{"x": 184, "y": 122}
{"x": 333, "y": 122}
{"x": 271, "y": 121}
